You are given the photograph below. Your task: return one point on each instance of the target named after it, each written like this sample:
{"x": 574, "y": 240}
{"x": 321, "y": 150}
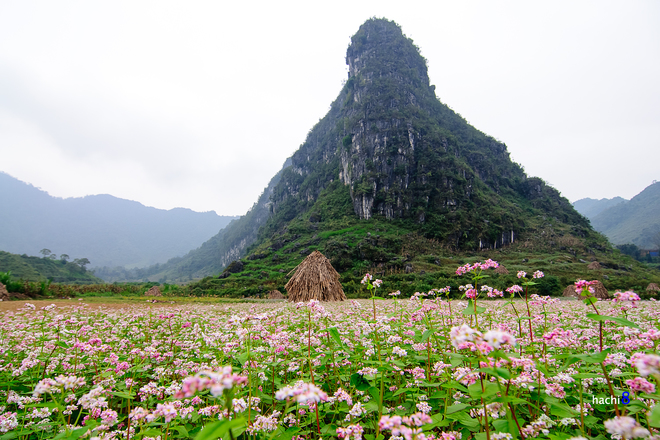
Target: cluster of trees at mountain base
{"x": 49, "y": 267}
{"x": 648, "y": 256}
{"x": 64, "y": 258}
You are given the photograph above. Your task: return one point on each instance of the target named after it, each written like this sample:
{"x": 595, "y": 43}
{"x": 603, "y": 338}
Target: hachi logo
{"x": 624, "y": 399}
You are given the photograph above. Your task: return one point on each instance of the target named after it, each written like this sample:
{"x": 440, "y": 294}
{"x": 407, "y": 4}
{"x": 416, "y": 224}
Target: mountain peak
{"x": 380, "y": 48}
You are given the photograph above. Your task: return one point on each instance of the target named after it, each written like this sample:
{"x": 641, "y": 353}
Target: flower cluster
{"x": 367, "y": 280}
{"x": 408, "y": 427}
{"x": 303, "y": 392}
{"x": 626, "y": 296}
{"x": 466, "y": 337}
{"x": 581, "y": 285}
{"x": 488, "y": 264}
{"x": 215, "y": 381}
{"x": 626, "y": 427}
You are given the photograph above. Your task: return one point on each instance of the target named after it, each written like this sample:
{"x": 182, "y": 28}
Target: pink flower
{"x": 555, "y": 390}
{"x": 303, "y": 392}
{"x": 488, "y": 264}
{"x": 514, "y": 289}
{"x": 462, "y": 334}
{"x": 167, "y": 410}
{"x": 640, "y": 384}
{"x": 7, "y": 422}
{"x": 471, "y": 293}
{"x": 626, "y": 296}
{"x": 367, "y": 278}
{"x": 351, "y": 432}
{"x": 625, "y": 426}
{"x": 538, "y": 274}
{"x": 580, "y": 285}
{"x": 522, "y": 274}
{"x": 496, "y": 338}
{"x": 647, "y": 364}
{"x": 216, "y": 381}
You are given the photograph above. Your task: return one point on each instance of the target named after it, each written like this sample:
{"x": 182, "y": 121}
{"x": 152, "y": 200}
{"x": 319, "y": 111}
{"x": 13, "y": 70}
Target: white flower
{"x": 626, "y": 427}
{"x": 462, "y": 334}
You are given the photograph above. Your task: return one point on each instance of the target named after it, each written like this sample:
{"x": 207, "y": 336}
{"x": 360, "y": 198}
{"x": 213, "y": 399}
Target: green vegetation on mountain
{"x": 39, "y": 269}
{"x": 394, "y": 182}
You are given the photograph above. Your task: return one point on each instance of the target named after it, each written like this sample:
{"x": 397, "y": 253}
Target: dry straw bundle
{"x": 652, "y": 288}
{"x": 154, "y": 291}
{"x": 275, "y": 294}
{"x": 501, "y": 270}
{"x": 315, "y": 278}
{"x": 600, "y": 291}
{"x": 594, "y": 265}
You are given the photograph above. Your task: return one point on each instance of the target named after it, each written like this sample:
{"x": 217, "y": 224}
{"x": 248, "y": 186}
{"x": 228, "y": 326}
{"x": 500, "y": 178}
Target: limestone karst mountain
{"x": 389, "y": 150}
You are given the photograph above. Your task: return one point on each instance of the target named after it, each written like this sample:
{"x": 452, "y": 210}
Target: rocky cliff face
{"x": 404, "y": 154}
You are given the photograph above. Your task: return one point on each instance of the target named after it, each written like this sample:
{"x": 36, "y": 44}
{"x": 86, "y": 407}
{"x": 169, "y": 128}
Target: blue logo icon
{"x": 625, "y": 398}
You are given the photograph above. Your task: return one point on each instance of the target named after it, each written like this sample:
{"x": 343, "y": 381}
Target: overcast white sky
{"x": 197, "y": 104}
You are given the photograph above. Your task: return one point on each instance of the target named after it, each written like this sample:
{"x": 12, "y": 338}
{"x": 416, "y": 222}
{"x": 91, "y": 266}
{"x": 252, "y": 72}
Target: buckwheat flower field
{"x": 486, "y": 368}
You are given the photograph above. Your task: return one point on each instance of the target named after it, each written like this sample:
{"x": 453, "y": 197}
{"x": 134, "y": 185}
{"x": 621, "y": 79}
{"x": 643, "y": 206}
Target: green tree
{"x": 45, "y": 252}
{"x": 82, "y": 262}
{"x": 630, "y": 249}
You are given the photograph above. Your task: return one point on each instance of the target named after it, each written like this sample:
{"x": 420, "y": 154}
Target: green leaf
{"x": 624, "y": 322}
{"x": 359, "y": 382}
{"x": 334, "y": 334}
{"x": 469, "y": 310}
{"x": 499, "y": 372}
{"x": 458, "y": 407}
{"x": 427, "y": 334}
{"x": 220, "y": 429}
{"x": 590, "y": 300}
{"x": 183, "y": 431}
{"x": 502, "y": 425}
{"x": 595, "y": 358}
{"x": 242, "y": 357}
{"x": 654, "y": 419}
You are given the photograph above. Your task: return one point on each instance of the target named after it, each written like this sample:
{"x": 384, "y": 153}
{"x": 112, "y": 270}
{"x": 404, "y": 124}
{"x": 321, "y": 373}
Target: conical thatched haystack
{"x": 600, "y": 291}
{"x": 594, "y": 265}
{"x": 154, "y": 291}
{"x": 275, "y": 294}
{"x": 315, "y": 278}
{"x": 502, "y": 270}
{"x": 570, "y": 291}
{"x": 652, "y": 289}
{"x": 4, "y": 295}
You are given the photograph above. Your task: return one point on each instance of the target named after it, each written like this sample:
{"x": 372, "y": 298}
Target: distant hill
{"x": 107, "y": 230}
{"x": 636, "y": 221}
{"x": 40, "y": 269}
{"x": 592, "y": 207}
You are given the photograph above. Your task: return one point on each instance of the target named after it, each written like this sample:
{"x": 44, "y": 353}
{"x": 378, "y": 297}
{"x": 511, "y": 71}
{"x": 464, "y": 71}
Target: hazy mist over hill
{"x": 104, "y": 229}
{"x": 635, "y": 221}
